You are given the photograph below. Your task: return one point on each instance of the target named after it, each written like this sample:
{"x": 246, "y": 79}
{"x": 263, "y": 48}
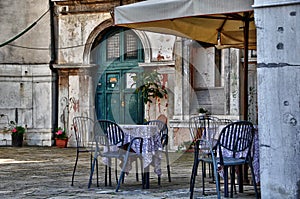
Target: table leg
{"x": 146, "y": 183}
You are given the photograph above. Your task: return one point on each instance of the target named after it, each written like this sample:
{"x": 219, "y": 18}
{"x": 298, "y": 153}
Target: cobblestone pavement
{"x": 45, "y": 172}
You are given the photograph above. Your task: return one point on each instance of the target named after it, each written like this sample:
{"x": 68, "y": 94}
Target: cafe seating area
{"x": 219, "y": 145}
{"x": 135, "y": 151}
{"x": 48, "y": 172}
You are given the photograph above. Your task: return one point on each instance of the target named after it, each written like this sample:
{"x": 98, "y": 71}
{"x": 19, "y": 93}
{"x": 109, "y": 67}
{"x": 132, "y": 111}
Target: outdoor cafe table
{"x": 150, "y": 148}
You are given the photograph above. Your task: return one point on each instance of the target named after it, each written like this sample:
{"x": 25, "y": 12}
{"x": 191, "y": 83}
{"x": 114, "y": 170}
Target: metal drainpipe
{"x": 54, "y": 71}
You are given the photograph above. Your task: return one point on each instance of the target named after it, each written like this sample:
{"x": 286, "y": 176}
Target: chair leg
{"x": 204, "y": 169}
{"x": 105, "y": 181}
{"x": 226, "y": 181}
{"x": 217, "y": 177}
{"x": 193, "y": 178}
{"x": 158, "y": 180}
{"x": 92, "y": 171}
{"x": 240, "y": 179}
{"x": 116, "y": 170}
{"x": 74, "y": 168}
{"x": 254, "y": 180}
{"x": 109, "y": 176}
{"x": 97, "y": 172}
{"x": 121, "y": 178}
{"x": 168, "y": 166}
{"x": 203, "y": 176}
{"x": 136, "y": 170}
{"x": 232, "y": 180}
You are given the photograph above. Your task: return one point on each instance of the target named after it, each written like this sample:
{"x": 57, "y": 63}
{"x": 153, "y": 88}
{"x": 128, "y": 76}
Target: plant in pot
{"x": 203, "y": 111}
{"x": 17, "y": 133}
{"x": 61, "y": 138}
{"x": 151, "y": 88}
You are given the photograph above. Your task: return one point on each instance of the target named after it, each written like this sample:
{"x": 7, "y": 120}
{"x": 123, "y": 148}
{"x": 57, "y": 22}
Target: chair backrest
{"x": 163, "y": 129}
{"x": 84, "y": 131}
{"x": 203, "y": 127}
{"x": 236, "y": 137}
{"x": 113, "y": 132}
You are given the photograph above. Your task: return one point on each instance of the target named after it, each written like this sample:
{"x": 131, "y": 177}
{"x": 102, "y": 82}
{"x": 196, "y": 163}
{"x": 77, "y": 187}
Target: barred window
{"x": 113, "y": 47}
{"x": 131, "y": 46}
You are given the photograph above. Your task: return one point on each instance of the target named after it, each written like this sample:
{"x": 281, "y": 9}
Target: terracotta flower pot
{"x": 61, "y": 143}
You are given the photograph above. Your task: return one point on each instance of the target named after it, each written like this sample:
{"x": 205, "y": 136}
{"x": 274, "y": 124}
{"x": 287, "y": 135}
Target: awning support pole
{"x": 246, "y": 44}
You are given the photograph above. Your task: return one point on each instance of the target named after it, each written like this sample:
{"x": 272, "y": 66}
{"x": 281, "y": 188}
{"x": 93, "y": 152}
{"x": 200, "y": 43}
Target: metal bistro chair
{"x": 163, "y": 128}
{"x": 204, "y": 130}
{"x": 108, "y": 135}
{"x": 84, "y": 135}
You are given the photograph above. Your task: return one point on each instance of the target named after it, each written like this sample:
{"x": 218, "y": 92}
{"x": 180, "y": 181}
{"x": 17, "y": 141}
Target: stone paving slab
{"x": 46, "y": 172}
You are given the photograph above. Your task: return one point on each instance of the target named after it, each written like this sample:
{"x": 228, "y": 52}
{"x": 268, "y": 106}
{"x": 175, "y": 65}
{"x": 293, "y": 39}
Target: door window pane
{"x": 131, "y": 46}
{"x": 113, "y": 47}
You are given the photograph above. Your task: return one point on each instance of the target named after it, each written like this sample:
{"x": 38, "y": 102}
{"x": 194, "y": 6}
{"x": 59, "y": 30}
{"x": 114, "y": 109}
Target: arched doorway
{"x": 117, "y": 52}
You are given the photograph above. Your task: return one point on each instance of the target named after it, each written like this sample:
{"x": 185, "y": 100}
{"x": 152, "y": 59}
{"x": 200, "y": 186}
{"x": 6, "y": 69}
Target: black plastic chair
{"x": 204, "y": 132}
{"x": 84, "y": 135}
{"x": 163, "y": 129}
{"x": 236, "y": 138}
{"x": 109, "y": 134}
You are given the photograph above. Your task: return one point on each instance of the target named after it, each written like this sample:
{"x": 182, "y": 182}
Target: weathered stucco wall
{"x": 26, "y": 81}
{"x": 73, "y": 31}
{"x": 26, "y": 98}
{"x": 15, "y": 17}
{"x": 76, "y": 97}
{"x": 278, "y": 71}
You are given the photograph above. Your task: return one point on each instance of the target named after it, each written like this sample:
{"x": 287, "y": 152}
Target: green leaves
{"x": 150, "y": 86}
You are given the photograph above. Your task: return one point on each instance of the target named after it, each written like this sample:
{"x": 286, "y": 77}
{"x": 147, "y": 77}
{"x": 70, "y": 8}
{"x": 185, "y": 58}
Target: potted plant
{"x": 203, "y": 111}
{"x": 61, "y": 138}
{"x": 151, "y": 88}
{"x": 17, "y": 133}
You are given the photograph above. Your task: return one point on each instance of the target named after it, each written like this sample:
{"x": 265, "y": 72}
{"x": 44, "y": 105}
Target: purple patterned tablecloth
{"x": 151, "y": 145}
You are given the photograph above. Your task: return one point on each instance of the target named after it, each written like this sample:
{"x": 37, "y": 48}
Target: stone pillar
{"x": 178, "y": 108}
{"x": 186, "y": 86}
{"x": 278, "y": 77}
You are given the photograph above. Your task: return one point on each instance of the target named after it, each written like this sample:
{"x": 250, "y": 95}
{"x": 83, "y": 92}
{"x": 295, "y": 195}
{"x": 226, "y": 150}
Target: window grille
{"x": 131, "y": 46}
{"x": 113, "y": 47}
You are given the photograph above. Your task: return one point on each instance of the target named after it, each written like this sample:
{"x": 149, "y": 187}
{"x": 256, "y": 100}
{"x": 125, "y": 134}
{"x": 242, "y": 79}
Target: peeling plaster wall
{"x": 76, "y": 98}
{"x": 162, "y": 46}
{"x": 73, "y": 32}
{"x": 203, "y": 59}
{"x": 26, "y": 99}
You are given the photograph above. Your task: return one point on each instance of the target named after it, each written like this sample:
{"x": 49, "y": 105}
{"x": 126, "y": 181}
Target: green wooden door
{"x": 116, "y": 98}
